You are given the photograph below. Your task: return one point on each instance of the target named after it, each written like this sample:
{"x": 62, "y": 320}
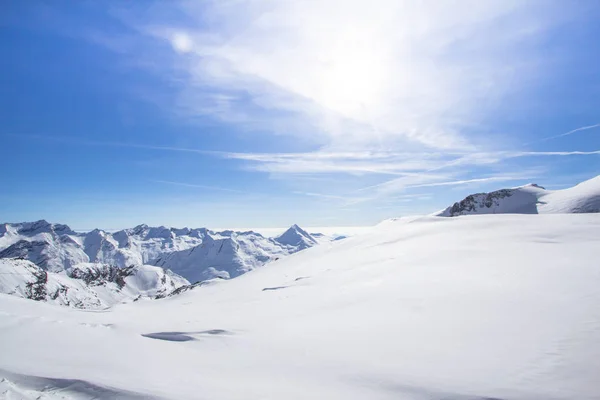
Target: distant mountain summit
{"x": 530, "y": 199}
{"x": 296, "y": 237}
{"x": 187, "y": 255}
{"x": 224, "y": 255}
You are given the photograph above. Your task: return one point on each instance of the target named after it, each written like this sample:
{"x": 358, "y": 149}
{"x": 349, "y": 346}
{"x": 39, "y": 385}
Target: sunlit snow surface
{"x": 476, "y": 307}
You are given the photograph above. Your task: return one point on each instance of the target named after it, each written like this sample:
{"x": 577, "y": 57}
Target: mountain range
{"x": 97, "y": 269}
{"x": 55, "y": 260}
{"x": 88, "y": 285}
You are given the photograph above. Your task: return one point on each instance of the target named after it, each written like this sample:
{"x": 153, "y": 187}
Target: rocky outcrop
{"x": 477, "y": 201}
{"x": 531, "y": 199}
{"x": 90, "y": 286}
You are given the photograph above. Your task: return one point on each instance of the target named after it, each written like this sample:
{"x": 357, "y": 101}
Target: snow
{"x": 582, "y": 198}
{"x": 226, "y": 255}
{"x": 324, "y": 238}
{"x": 196, "y": 254}
{"x": 89, "y": 286}
{"x": 20, "y": 387}
{"x": 477, "y": 307}
{"x": 296, "y": 237}
{"x": 531, "y": 199}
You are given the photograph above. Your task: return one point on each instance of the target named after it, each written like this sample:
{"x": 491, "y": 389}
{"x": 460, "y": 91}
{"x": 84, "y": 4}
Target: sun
{"x": 352, "y": 78}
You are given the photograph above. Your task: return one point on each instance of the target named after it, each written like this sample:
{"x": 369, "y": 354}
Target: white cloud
{"x": 550, "y": 153}
{"x": 583, "y": 128}
{"x": 357, "y": 163}
{"x": 399, "y": 185}
{"x": 409, "y": 170}
{"x": 468, "y": 181}
{"x": 385, "y": 163}
{"x": 375, "y": 73}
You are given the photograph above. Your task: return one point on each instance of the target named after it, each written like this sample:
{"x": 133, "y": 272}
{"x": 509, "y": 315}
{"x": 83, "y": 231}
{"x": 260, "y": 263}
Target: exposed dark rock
{"x": 185, "y": 288}
{"x": 478, "y": 200}
{"x": 36, "y": 290}
{"x": 103, "y": 274}
{"x": 26, "y": 250}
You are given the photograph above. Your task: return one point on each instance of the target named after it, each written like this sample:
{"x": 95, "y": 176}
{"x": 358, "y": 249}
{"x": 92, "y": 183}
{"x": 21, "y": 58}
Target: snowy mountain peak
{"x": 530, "y": 199}
{"x": 35, "y": 227}
{"x": 195, "y": 254}
{"x": 224, "y": 254}
{"x": 297, "y": 237}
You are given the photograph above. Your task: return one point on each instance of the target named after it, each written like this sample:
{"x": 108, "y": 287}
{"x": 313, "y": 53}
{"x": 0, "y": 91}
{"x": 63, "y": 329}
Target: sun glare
{"x": 352, "y": 81}
{"x": 350, "y": 71}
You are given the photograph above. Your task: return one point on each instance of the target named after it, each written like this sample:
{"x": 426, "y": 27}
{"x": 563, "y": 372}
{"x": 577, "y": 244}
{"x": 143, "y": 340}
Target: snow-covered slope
{"x": 478, "y": 307}
{"x": 582, "y": 198}
{"x": 324, "y": 238}
{"x": 296, "y": 237}
{"x": 194, "y": 253}
{"x": 86, "y": 285}
{"x": 531, "y": 199}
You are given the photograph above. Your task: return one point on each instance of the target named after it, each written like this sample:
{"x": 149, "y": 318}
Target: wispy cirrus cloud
{"x": 321, "y": 162}
{"x": 349, "y": 73}
{"x": 342, "y": 162}
{"x": 389, "y": 88}
{"x": 400, "y": 185}
{"x": 571, "y": 132}
{"x": 408, "y": 170}
{"x": 503, "y": 178}
{"x": 385, "y": 163}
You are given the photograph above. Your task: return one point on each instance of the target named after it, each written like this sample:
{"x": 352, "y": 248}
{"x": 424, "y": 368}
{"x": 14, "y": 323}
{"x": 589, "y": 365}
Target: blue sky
{"x": 250, "y": 114}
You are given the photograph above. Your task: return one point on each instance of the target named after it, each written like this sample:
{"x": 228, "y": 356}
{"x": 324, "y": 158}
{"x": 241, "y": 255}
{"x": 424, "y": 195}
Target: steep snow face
{"x": 52, "y": 246}
{"x": 101, "y": 247}
{"x": 478, "y": 307}
{"x": 225, "y": 255}
{"x": 49, "y": 251}
{"x": 87, "y": 285}
{"x": 142, "y": 244}
{"x": 531, "y": 199}
{"x": 296, "y": 237}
